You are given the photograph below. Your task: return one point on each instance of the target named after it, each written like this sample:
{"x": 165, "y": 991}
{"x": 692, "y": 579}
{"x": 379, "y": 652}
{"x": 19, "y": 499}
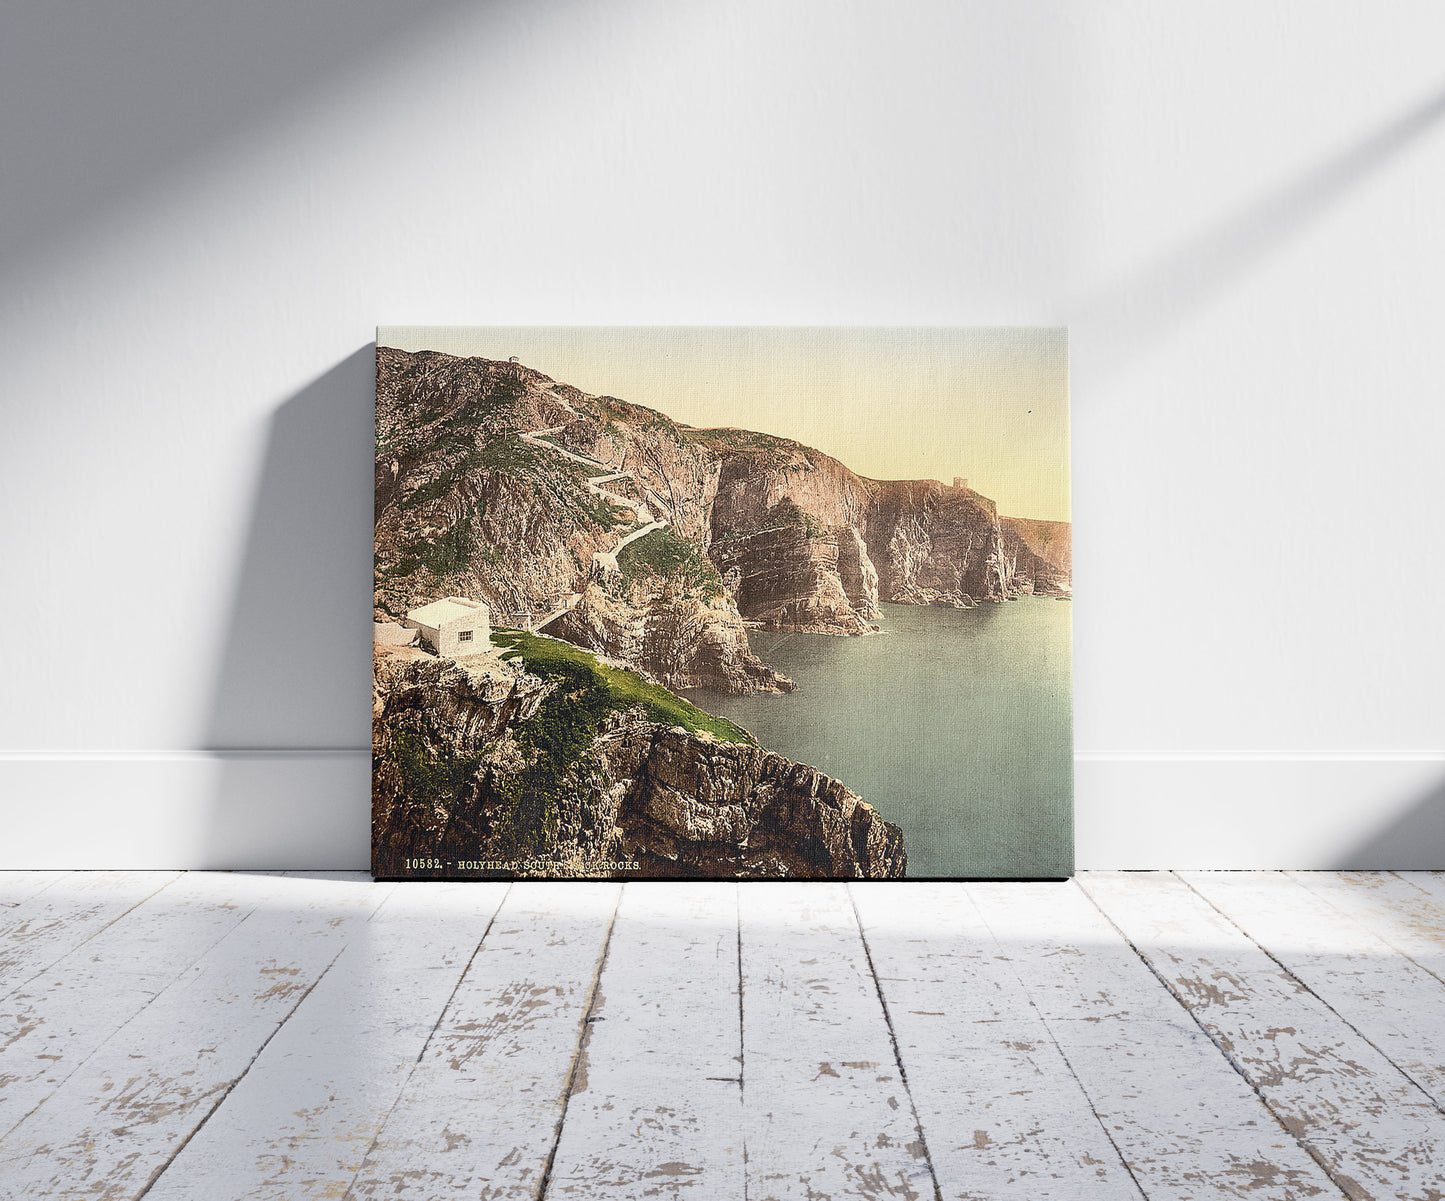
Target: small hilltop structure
{"x": 453, "y": 626}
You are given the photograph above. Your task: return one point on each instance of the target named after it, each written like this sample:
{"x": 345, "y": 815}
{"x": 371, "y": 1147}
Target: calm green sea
{"x": 956, "y": 724}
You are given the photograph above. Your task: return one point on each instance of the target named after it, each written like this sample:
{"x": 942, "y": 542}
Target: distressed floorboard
{"x": 1402, "y": 908}
{"x": 655, "y": 1109}
{"x": 300, "y": 1122}
{"x": 1391, "y": 1001}
{"x": 1002, "y": 1115}
{"x": 16, "y": 887}
{"x": 1186, "y": 1124}
{"x": 123, "y": 1114}
{"x": 213, "y": 1035}
{"x": 50, "y": 1025}
{"x": 826, "y": 1111}
{"x": 479, "y": 1116}
{"x": 1432, "y": 884}
{"x": 49, "y": 924}
{"x": 1375, "y": 1131}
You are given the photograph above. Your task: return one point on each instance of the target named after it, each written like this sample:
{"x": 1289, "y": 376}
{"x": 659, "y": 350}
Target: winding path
{"x": 602, "y": 561}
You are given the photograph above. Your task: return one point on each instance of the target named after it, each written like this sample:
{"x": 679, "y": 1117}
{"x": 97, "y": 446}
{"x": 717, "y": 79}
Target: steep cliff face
{"x": 434, "y": 723}
{"x": 784, "y": 534}
{"x": 934, "y": 544}
{"x": 1040, "y": 554}
{"x": 486, "y": 760}
{"x": 684, "y": 641}
{"x": 693, "y": 806}
{"x": 652, "y": 542}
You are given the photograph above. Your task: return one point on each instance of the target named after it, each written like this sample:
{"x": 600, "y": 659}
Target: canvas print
{"x": 767, "y": 603}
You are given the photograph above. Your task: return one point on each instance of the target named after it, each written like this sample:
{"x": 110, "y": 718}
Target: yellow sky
{"x": 988, "y": 404}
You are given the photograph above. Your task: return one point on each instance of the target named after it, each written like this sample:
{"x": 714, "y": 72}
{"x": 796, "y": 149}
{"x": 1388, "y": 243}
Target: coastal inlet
{"x": 956, "y": 723}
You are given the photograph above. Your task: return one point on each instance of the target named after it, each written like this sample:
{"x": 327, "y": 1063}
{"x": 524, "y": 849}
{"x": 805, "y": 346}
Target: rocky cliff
{"x": 1041, "y": 555}
{"x": 557, "y": 763}
{"x": 655, "y": 543}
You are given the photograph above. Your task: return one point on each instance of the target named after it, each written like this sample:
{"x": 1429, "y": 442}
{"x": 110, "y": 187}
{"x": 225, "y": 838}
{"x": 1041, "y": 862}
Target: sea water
{"x": 955, "y": 724}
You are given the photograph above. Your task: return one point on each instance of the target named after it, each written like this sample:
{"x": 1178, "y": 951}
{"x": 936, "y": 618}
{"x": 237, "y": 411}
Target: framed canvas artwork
{"x": 738, "y": 603}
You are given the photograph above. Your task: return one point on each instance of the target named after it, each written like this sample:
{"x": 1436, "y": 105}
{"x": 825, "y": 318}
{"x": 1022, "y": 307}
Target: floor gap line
{"x": 93, "y": 934}
{"x": 1059, "y": 1047}
{"x": 231, "y": 1087}
{"x": 893, "y": 1040}
{"x": 44, "y": 888}
{"x": 1273, "y": 958}
{"x": 441, "y": 1016}
{"x": 1219, "y": 1046}
{"x": 742, "y": 1038}
{"x": 584, "y": 1036}
{"x": 1350, "y": 917}
{"x": 105, "y": 1042}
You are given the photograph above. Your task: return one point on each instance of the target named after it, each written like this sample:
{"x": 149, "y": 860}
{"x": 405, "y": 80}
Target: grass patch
{"x": 772, "y": 450}
{"x": 560, "y": 733}
{"x": 448, "y": 554}
{"x": 638, "y": 417}
{"x": 433, "y": 490}
{"x": 663, "y": 553}
{"x": 438, "y": 781}
{"x": 608, "y": 689}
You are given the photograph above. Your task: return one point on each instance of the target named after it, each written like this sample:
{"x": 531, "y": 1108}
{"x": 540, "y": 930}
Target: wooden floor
{"x": 1159, "y": 1035}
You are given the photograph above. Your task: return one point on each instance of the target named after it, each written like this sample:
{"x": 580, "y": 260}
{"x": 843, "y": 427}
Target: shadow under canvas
{"x": 289, "y": 722}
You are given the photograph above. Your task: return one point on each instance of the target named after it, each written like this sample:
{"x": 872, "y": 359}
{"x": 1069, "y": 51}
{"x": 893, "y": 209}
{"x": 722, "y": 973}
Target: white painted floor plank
{"x": 117, "y": 1121}
{"x": 1001, "y": 1113}
{"x": 826, "y": 1111}
{"x": 53, "y": 1023}
{"x": 1392, "y": 1002}
{"x": 656, "y": 1108}
{"x": 1402, "y": 908}
{"x": 16, "y": 887}
{"x": 300, "y": 1123}
{"x": 1188, "y": 1126}
{"x": 1430, "y": 883}
{"x": 213, "y": 1041}
{"x": 479, "y": 1115}
{"x": 1376, "y": 1132}
{"x": 49, "y": 924}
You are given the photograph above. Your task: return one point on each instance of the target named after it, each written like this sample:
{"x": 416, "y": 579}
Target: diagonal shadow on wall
{"x": 1129, "y": 316}
{"x": 1413, "y": 842}
{"x": 104, "y": 101}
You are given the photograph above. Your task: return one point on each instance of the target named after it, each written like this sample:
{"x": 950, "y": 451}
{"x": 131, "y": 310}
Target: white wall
{"x": 208, "y": 206}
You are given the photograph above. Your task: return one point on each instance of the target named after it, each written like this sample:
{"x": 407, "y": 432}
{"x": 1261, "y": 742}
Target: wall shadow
{"x": 1414, "y": 842}
{"x": 103, "y": 101}
{"x": 1146, "y": 305}
{"x": 292, "y": 678}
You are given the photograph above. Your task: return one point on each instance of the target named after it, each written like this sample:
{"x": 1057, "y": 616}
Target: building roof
{"x": 440, "y": 612}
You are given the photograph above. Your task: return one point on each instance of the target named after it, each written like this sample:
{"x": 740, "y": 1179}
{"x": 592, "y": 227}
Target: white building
{"x": 453, "y": 626}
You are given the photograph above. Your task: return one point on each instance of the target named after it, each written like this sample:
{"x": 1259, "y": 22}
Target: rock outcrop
{"x": 467, "y": 772}
{"x": 1041, "y": 555}
{"x": 683, "y": 641}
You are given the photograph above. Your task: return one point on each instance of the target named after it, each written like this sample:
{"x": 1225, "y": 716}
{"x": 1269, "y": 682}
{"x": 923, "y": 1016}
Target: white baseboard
{"x": 310, "y": 809}
{"x": 186, "y": 809}
{"x": 1365, "y": 811}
